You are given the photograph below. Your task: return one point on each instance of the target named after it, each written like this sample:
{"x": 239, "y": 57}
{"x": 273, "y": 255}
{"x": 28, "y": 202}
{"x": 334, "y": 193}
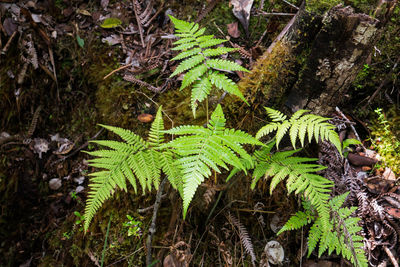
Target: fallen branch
{"x": 152, "y": 228}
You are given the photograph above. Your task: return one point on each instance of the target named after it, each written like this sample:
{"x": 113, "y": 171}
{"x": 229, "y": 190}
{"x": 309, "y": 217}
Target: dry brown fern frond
{"x": 244, "y": 237}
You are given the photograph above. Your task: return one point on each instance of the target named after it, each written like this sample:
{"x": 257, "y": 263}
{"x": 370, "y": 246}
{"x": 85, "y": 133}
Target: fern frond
{"x": 181, "y": 24}
{"x": 193, "y": 75}
{"x": 188, "y": 53}
{"x": 127, "y": 136}
{"x": 300, "y": 125}
{"x": 301, "y": 178}
{"x": 244, "y": 238}
{"x": 297, "y": 221}
{"x": 210, "y": 42}
{"x": 202, "y": 71}
{"x": 204, "y": 149}
{"x": 201, "y": 89}
{"x": 340, "y": 234}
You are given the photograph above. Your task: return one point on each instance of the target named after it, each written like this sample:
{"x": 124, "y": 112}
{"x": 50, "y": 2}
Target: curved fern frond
{"x": 201, "y": 89}
{"x": 189, "y": 63}
{"x": 134, "y": 159}
{"x": 204, "y": 149}
{"x": 193, "y": 75}
{"x": 212, "y": 52}
{"x": 301, "y": 178}
{"x": 298, "y": 126}
{"x": 339, "y": 235}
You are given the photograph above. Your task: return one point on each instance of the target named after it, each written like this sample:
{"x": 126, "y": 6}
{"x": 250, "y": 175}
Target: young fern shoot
{"x": 203, "y": 71}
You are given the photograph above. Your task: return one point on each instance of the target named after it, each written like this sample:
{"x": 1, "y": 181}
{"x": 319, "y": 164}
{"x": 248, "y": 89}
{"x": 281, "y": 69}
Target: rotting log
{"x": 338, "y": 53}
{"x": 311, "y": 65}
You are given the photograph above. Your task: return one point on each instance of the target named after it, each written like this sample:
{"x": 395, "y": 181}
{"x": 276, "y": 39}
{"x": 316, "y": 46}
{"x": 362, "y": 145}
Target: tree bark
{"x": 338, "y": 53}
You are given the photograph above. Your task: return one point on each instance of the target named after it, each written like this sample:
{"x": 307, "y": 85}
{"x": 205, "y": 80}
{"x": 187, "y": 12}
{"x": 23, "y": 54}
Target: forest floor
{"x": 65, "y": 69}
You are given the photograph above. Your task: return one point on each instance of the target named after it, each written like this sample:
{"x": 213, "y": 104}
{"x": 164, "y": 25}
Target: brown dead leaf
{"x": 233, "y": 30}
{"x": 241, "y": 10}
{"x": 393, "y": 211}
{"x": 145, "y": 118}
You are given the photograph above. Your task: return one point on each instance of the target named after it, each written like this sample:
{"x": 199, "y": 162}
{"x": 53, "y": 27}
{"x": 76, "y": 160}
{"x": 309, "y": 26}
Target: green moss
{"x": 320, "y": 6}
{"x": 386, "y": 138}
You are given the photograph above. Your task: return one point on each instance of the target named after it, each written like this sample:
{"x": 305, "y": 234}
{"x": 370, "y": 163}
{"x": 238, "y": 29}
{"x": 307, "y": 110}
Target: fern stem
{"x": 152, "y": 228}
{"x": 207, "y": 108}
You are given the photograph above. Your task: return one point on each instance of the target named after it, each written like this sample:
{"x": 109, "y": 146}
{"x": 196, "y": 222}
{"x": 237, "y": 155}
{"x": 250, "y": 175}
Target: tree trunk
{"x": 338, "y": 53}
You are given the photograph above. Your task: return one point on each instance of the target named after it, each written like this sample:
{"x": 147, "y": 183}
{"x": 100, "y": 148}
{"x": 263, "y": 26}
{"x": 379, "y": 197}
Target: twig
{"x": 260, "y": 211}
{"x": 79, "y": 148}
{"x": 123, "y": 258}
{"x": 385, "y": 81}
{"x": 132, "y": 79}
{"x": 152, "y": 228}
{"x": 135, "y": 3}
{"x": 205, "y": 11}
{"x": 286, "y": 29}
{"x": 275, "y": 14}
{"x": 5, "y": 48}
{"x": 290, "y": 4}
{"x": 351, "y": 126}
{"x": 114, "y": 71}
{"x": 150, "y": 207}
{"x": 105, "y": 242}
{"x": 391, "y": 257}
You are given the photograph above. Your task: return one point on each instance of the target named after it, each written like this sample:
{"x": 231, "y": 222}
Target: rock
{"x": 55, "y": 183}
{"x": 388, "y": 174}
{"x": 274, "y": 252}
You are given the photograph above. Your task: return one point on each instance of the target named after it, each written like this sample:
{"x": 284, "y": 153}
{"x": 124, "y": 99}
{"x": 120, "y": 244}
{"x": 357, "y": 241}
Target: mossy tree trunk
{"x": 313, "y": 63}
{"x": 337, "y": 54}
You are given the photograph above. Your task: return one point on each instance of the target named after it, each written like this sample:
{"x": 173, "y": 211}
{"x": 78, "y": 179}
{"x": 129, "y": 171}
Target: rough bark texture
{"x": 338, "y": 53}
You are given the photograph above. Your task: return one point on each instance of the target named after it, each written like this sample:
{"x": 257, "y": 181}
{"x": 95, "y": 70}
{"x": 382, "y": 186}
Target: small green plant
{"x": 346, "y": 145}
{"x": 203, "y": 71}
{"x": 133, "y": 226}
{"x": 298, "y": 126}
{"x": 67, "y": 235}
{"x": 385, "y": 141}
{"x": 80, "y": 220}
{"x": 74, "y": 195}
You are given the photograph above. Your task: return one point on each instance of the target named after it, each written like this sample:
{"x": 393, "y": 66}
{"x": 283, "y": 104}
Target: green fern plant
{"x": 203, "y": 70}
{"x": 134, "y": 160}
{"x": 340, "y": 236}
{"x": 298, "y": 126}
{"x": 299, "y": 173}
{"x": 186, "y": 161}
{"x": 201, "y": 150}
